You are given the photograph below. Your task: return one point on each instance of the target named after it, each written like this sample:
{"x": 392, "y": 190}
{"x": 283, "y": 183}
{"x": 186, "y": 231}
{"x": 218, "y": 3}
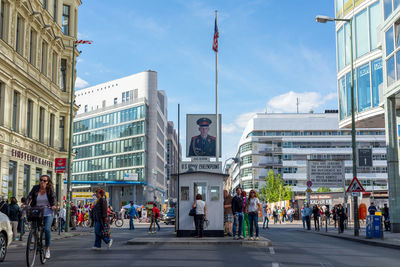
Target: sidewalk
{"x": 167, "y": 236}
{"x": 390, "y": 240}
{"x": 54, "y": 236}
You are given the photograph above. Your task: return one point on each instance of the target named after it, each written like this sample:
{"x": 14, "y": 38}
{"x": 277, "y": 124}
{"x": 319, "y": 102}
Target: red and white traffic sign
{"x": 309, "y": 183}
{"x": 355, "y": 186}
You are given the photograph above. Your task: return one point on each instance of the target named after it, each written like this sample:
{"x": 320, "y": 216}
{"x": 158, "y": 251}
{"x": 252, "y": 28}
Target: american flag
{"x": 216, "y": 35}
{"x": 83, "y": 42}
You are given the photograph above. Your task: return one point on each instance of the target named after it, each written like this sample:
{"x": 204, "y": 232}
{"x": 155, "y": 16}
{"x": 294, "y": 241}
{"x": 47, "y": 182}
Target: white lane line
{"x": 275, "y": 264}
{"x": 271, "y": 250}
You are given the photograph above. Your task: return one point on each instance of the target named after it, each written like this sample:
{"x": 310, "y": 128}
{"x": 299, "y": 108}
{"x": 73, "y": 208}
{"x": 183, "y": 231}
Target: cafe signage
{"x": 28, "y": 157}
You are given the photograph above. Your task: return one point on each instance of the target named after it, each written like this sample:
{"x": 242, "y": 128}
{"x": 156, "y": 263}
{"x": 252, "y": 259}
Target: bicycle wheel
{"x": 42, "y": 249}
{"x": 31, "y": 248}
{"x": 119, "y": 222}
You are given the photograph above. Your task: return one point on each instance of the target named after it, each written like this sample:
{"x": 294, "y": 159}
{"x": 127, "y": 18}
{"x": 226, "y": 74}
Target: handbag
{"x": 35, "y": 214}
{"x": 106, "y": 230}
{"x": 192, "y": 212}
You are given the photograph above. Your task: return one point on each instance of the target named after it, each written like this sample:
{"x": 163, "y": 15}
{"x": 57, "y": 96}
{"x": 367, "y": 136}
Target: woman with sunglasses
{"x": 253, "y": 206}
{"x": 43, "y": 195}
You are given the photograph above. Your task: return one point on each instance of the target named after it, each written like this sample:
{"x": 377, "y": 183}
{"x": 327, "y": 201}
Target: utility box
{"x": 374, "y": 226}
{"x": 210, "y": 186}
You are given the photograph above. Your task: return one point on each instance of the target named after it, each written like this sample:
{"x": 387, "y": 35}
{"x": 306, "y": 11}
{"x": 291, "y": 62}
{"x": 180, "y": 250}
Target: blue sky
{"x": 270, "y": 53}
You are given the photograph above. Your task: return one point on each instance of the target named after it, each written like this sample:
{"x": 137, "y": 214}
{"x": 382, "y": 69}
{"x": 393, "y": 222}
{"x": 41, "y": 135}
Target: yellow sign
{"x": 86, "y": 195}
{"x": 378, "y": 213}
{"x": 308, "y": 190}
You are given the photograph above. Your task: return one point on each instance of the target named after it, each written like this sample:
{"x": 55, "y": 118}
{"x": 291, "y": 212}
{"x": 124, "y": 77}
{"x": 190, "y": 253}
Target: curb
{"x": 263, "y": 242}
{"x": 357, "y": 239}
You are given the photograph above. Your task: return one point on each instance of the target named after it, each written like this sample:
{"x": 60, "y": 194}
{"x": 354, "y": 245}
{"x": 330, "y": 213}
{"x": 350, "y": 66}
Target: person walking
{"x": 253, "y": 206}
{"x": 327, "y": 215}
{"x": 14, "y": 214}
{"x": 334, "y": 215}
{"x": 201, "y": 215}
{"x": 372, "y": 209}
{"x": 308, "y": 213}
{"x": 290, "y": 214}
{"x": 74, "y": 212}
{"x": 132, "y": 215}
{"x": 43, "y": 195}
{"x": 62, "y": 215}
{"x": 101, "y": 221}
{"x": 156, "y": 215}
{"x": 24, "y": 207}
{"x": 303, "y": 218}
{"x": 237, "y": 209}
{"x": 342, "y": 216}
{"x": 228, "y": 215}
{"x": 316, "y": 215}
{"x": 385, "y": 213}
{"x": 275, "y": 215}
{"x": 246, "y": 223}
{"x": 265, "y": 214}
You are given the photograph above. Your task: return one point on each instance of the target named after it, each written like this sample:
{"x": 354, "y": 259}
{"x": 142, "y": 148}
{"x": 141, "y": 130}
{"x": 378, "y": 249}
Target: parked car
{"x": 170, "y": 216}
{"x": 5, "y": 235}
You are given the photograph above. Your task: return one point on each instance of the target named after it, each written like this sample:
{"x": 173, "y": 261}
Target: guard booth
{"x": 210, "y": 186}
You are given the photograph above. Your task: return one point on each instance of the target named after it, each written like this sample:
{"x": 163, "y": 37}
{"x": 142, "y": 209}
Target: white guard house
{"x": 210, "y": 186}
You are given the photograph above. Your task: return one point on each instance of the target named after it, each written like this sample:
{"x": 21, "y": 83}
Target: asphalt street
{"x": 291, "y": 247}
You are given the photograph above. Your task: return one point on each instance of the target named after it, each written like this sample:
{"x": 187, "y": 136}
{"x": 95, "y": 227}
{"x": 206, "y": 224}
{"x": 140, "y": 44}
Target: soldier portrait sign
{"x": 201, "y": 135}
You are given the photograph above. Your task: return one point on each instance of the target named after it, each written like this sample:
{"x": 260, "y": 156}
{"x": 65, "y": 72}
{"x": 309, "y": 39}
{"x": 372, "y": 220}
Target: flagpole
{"x": 216, "y": 95}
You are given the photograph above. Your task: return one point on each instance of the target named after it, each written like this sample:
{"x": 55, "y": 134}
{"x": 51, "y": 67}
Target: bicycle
{"x": 35, "y": 240}
{"x": 118, "y": 221}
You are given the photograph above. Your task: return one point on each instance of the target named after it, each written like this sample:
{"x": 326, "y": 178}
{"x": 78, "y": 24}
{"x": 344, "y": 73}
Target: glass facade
{"x": 364, "y": 87}
{"x": 342, "y": 98}
{"x": 377, "y": 80}
{"x": 110, "y": 145}
{"x": 361, "y": 33}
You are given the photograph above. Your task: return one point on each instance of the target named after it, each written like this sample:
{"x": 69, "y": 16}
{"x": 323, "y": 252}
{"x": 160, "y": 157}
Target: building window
{"x": 3, "y": 20}
{"x": 29, "y": 118}
{"x": 347, "y": 43}
{"x": 44, "y": 58}
{"x": 27, "y": 180}
{"x": 342, "y": 98}
{"x": 51, "y": 130}
{"x": 63, "y": 75}
{"x": 66, "y": 19}
{"x": 86, "y": 108}
{"x": 115, "y": 101}
{"x": 390, "y": 68}
{"x": 362, "y": 43}
{"x": 374, "y": 21}
{"x": 1, "y": 102}
{"x": 44, "y": 4}
{"x": 19, "y": 42}
{"x": 33, "y": 47}
{"x": 41, "y": 125}
{"x": 61, "y": 132}
{"x": 15, "y": 117}
{"x": 54, "y": 68}
{"x": 389, "y": 41}
{"x": 377, "y": 80}
{"x": 38, "y": 174}
{"x": 387, "y": 7}
{"x": 55, "y": 10}
{"x": 340, "y": 48}
{"x": 12, "y": 179}
{"x": 363, "y": 87}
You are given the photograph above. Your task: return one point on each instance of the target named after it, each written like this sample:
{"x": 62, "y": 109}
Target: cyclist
{"x": 43, "y": 195}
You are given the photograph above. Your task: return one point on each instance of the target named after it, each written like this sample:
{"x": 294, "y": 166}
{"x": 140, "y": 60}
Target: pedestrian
{"x": 74, "y": 212}
{"x": 155, "y": 214}
{"x": 265, "y": 214}
{"x": 341, "y": 214}
{"x": 308, "y": 213}
{"x": 101, "y": 221}
{"x": 372, "y": 209}
{"x": 334, "y": 215}
{"x": 246, "y": 223}
{"x": 4, "y": 205}
{"x": 43, "y": 195}
{"x": 132, "y": 215}
{"x": 279, "y": 215}
{"x": 14, "y": 213}
{"x": 253, "y": 206}
{"x": 290, "y": 213}
{"x": 316, "y": 215}
{"x": 62, "y": 217}
{"x": 24, "y": 208}
{"x": 201, "y": 215}
{"x": 122, "y": 213}
{"x": 228, "y": 215}
{"x": 275, "y": 215}
{"x": 327, "y": 215}
{"x": 283, "y": 215}
{"x": 303, "y": 217}
{"x": 237, "y": 209}
{"x": 385, "y": 213}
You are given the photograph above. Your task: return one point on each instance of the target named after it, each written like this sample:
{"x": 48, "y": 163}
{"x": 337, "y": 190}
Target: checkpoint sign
{"x": 309, "y": 183}
{"x": 355, "y": 186}
{"x": 60, "y": 165}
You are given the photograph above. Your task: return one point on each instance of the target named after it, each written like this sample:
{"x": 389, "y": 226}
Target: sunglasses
{"x": 42, "y": 180}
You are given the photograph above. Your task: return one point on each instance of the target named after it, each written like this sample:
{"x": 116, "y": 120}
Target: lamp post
{"x": 324, "y": 19}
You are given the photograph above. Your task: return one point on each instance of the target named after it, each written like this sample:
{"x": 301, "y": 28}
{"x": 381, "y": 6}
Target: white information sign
{"x": 131, "y": 176}
{"x": 326, "y": 173}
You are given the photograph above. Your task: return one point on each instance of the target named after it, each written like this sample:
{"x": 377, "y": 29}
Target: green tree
{"x": 323, "y": 190}
{"x": 275, "y": 189}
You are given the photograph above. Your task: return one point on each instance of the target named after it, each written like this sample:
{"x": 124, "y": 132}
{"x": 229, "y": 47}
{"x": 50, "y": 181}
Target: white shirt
{"x": 200, "y": 204}
{"x": 253, "y": 204}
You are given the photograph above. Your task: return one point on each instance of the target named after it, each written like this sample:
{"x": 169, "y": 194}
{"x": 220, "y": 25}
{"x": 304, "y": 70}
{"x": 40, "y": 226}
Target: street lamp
{"x": 324, "y": 19}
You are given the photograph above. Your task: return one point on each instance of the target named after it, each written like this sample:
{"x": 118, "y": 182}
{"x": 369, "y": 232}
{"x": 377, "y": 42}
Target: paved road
{"x": 290, "y": 248}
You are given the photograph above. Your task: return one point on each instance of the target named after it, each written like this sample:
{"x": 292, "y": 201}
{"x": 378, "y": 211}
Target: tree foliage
{"x": 323, "y": 190}
{"x": 274, "y": 189}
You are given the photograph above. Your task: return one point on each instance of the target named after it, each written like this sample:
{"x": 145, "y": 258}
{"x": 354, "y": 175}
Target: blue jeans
{"x": 238, "y": 218}
{"x": 303, "y": 219}
{"x": 99, "y": 235}
{"x": 265, "y": 220}
{"x": 131, "y": 225}
{"x": 62, "y": 224}
{"x": 48, "y": 221}
{"x": 253, "y": 220}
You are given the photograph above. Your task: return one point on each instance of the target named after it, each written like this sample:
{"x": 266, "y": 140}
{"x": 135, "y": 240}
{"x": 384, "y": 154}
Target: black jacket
{"x": 4, "y": 207}
{"x": 237, "y": 204}
{"x": 51, "y": 196}
{"x": 100, "y": 210}
{"x": 14, "y": 212}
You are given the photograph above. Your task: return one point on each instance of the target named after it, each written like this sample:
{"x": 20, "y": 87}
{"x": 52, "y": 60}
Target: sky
{"x": 271, "y": 52}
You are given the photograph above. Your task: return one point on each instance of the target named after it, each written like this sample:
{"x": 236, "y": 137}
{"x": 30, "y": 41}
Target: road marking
{"x": 275, "y": 264}
{"x": 271, "y": 250}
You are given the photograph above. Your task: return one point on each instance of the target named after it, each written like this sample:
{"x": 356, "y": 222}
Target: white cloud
{"x": 244, "y": 118}
{"x": 308, "y": 100}
{"x": 80, "y": 83}
{"x": 229, "y": 128}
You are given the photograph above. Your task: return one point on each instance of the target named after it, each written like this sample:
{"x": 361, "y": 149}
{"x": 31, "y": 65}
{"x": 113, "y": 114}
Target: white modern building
{"x": 285, "y": 142}
{"x": 120, "y": 139}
